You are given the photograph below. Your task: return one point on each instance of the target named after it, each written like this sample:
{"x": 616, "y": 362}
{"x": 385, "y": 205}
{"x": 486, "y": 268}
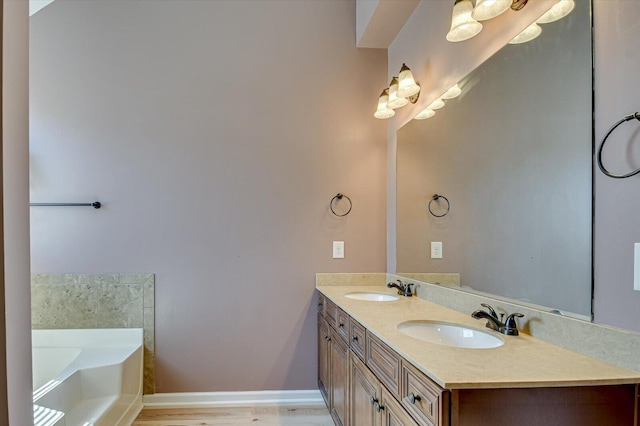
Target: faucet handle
{"x": 491, "y": 310}
{"x": 510, "y": 325}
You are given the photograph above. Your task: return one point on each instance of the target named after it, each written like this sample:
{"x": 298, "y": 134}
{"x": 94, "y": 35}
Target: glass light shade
{"x": 424, "y": 114}
{"x": 529, "y": 33}
{"x": 558, "y": 11}
{"x": 383, "y": 111}
{"x": 463, "y": 26}
{"x": 394, "y": 100}
{"x": 488, "y": 9}
{"x": 437, "y": 104}
{"x": 407, "y": 86}
{"x": 454, "y": 92}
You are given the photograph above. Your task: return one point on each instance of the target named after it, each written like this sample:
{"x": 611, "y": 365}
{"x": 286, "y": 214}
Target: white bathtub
{"x": 87, "y": 377}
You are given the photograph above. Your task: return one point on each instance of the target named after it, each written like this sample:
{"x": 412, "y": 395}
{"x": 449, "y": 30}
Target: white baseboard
{"x": 225, "y": 399}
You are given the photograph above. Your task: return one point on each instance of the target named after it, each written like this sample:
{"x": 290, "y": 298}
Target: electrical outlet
{"x": 338, "y": 249}
{"x": 436, "y": 250}
{"x": 636, "y": 266}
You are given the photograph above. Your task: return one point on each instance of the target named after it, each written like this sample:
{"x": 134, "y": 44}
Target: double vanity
{"x": 389, "y": 359}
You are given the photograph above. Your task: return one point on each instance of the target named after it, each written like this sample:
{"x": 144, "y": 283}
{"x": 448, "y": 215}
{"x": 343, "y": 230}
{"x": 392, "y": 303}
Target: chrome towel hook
{"x": 629, "y": 117}
{"x": 339, "y": 197}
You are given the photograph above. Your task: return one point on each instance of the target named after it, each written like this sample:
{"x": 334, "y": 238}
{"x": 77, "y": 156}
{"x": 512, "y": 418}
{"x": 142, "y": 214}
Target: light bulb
{"x": 407, "y": 86}
{"x": 424, "y": 114}
{"x": 558, "y": 11}
{"x": 529, "y": 33}
{"x": 488, "y": 9}
{"x": 394, "y": 100}
{"x": 453, "y": 92}
{"x": 463, "y": 26}
{"x": 383, "y": 111}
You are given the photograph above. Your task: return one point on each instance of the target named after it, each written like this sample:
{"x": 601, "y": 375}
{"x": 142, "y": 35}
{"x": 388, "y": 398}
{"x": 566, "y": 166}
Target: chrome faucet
{"x": 509, "y": 327}
{"x": 403, "y": 289}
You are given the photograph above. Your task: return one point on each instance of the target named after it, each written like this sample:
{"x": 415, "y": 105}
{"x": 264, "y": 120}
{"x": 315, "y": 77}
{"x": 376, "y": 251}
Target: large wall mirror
{"x": 513, "y": 156}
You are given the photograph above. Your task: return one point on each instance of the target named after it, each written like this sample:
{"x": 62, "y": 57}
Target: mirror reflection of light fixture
{"x": 488, "y": 9}
{"x": 437, "y": 104}
{"x": 529, "y": 33}
{"x": 407, "y": 86}
{"x": 424, "y": 114}
{"x": 558, "y": 11}
{"x": 383, "y": 110}
{"x": 453, "y": 92}
{"x": 395, "y": 101}
{"x": 463, "y": 26}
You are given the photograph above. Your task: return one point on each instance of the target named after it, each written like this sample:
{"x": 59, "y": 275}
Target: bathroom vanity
{"x": 372, "y": 373}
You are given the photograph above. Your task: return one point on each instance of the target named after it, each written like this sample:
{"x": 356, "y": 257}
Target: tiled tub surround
{"x": 616, "y": 346}
{"x": 71, "y": 301}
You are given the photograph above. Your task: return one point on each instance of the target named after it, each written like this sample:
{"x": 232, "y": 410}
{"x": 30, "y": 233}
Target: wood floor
{"x": 297, "y": 415}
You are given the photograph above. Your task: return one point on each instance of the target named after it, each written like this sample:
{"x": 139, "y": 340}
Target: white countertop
{"x": 523, "y": 361}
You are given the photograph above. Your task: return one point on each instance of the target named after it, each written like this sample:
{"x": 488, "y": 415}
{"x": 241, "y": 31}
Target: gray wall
{"x": 513, "y": 156}
{"x": 617, "y": 94}
{"x": 216, "y": 134}
{"x": 15, "y": 175}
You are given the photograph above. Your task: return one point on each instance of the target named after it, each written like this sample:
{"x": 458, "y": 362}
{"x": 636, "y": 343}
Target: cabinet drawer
{"x": 384, "y": 363}
{"x": 321, "y": 303}
{"x": 358, "y": 338}
{"x": 423, "y": 399}
{"x": 330, "y": 312}
{"x": 342, "y": 324}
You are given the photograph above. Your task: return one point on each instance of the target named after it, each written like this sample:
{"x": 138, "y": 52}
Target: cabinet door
{"x": 391, "y": 412}
{"x": 323, "y": 359}
{"x": 339, "y": 389}
{"x": 365, "y": 392}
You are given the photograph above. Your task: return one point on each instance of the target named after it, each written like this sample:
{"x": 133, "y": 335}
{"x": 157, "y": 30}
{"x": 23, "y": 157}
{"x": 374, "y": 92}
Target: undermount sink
{"x": 449, "y": 334}
{"x": 371, "y": 296}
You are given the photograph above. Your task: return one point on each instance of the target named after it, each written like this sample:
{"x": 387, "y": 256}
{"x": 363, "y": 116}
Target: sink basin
{"x": 371, "y": 296}
{"x": 449, "y": 334}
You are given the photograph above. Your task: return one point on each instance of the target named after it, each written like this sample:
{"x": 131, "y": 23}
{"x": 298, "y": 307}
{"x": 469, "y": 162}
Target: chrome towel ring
{"x": 339, "y": 197}
{"x": 630, "y": 117}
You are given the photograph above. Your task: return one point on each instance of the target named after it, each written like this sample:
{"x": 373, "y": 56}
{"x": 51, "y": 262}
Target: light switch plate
{"x": 436, "y": 250}
{"x": 636, "y": 266}
{"x": 338, "y": 249}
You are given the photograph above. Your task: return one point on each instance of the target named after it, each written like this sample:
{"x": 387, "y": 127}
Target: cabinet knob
{"x": 373, "y": 400}
{"x": 354, "y": 338}
{"x": 413, "y": 398}
{"x": 340, "y": 325}
{"x": 327, "y": 338}
{"x": 379, "y": 407}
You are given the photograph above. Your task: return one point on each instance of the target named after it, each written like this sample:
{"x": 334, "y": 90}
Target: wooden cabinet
{"x": 323, "y": 359}
{"x": 333, "y": 362}
{"x": 424, "y": 400}
{"x": 366, "y": 383}
{"x": 365, "y": 392}
{"x": 339, "y": 371}
{"x": 391, "y": 412}
{"x": 384, "y": 362}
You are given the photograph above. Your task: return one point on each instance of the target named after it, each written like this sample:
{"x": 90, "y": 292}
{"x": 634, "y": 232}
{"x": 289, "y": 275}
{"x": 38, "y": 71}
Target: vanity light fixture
{"x": 424, "y": 114}
{"x": 395, "y": 101}
{"x": 557, "y": 11}
{"x": 463, "y": 26}
{"x": 453, "y": 92}
{"x": 488, "y": 9}
{"x": 437, "y": 104}
{"x": 402, "y": 90}
{"x": 407, "y": 86}
{"x": 529, "y": 33}
{"x": 383, "y": 110}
